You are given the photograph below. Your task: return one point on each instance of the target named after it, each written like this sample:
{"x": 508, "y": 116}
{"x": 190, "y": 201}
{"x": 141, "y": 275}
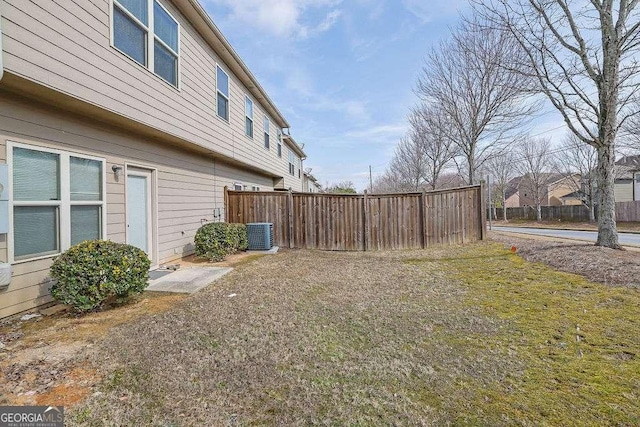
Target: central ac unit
{"x": 260, "y": 236}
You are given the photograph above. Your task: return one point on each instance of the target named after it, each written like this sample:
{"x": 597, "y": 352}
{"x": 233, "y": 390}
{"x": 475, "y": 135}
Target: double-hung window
{"x": 148, "y": 34}
{"x": 266, "y": 132}
{"x": 292, "y": 163}
{"x": 58, "y": 201}
{"x": 222, "y": 87}
{"x": 248, "y": 116}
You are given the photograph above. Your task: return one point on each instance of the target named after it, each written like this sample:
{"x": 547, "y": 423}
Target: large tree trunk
{"x": 472, "y": 166}
{"x": 608, "y": 91}
{"x": 607, "y": 230}
{"x": 538, "y": 212}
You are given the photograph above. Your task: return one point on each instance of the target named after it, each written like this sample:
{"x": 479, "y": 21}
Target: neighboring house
{"x": 520, "y": 191}
{"x": 124, "y": 120}
{"x": 627, "y": 184}
{"x": 512, "y": 195}
{"x": 574, "y": 198}
{"x": 310, "y": 183}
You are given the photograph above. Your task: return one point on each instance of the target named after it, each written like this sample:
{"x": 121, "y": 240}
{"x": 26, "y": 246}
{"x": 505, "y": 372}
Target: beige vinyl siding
{"x": 624, "y": 190}
{"x": 186, "y": 188}
{"x": 65, "y": 45}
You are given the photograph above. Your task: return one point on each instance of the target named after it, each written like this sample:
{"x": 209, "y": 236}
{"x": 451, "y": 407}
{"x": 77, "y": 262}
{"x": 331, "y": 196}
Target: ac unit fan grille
{"x": 260, "y": 236}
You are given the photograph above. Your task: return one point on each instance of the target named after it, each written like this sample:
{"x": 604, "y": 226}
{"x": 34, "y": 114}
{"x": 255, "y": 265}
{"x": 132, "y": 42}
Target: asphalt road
{"x": 625, "y": 239}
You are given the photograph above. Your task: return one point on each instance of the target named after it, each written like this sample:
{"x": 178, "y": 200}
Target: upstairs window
{"x": 248, "y": 113}
{"x": 292, "y": 163}
{"x": 144, "y": 31}
{"x": 279, "y": 143}
{"x": 266, "y": 132}
{"x": 222, "y": 87}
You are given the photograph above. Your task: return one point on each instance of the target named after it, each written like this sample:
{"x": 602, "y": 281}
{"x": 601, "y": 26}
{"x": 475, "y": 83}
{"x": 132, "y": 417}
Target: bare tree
{"x": 578, "y": 163}
{"x": 484, "y": 102}
{"x": 583, "y": 55}
{"x": 533, "y": 163}
{"x": 343, "y": 187}
{"x": 409, "y": 164}
{"x": 429, "y": 132}
{"x": 503, "y": 169}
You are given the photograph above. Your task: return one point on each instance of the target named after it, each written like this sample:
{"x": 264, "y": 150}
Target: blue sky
{"x": 342, "y": 72}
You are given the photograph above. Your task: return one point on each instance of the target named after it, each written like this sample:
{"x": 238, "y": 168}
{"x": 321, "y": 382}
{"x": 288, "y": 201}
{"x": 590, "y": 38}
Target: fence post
{"x": 483, "y": 212}
{"x": 367, "y": 227}
{"x": 290, "y": 203}
{"x": 423, "y": 217}
{"x": 226, "y": 204}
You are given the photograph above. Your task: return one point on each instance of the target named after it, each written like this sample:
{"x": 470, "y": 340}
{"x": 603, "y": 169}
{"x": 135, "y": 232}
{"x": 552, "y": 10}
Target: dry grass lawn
{"x": 469, "y": 335}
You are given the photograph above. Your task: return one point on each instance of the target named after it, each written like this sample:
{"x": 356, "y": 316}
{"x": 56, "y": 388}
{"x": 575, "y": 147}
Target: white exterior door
{"x": 636, "y": 190}
{"x": 139, "y": 210}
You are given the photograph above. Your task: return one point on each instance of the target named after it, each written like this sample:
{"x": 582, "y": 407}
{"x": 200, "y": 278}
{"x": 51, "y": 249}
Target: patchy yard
{"x": 569, "y": 225}
{"x": 462, "y": 335}
{"x": 598, "y": 264}
{"x": 42, "y": 362}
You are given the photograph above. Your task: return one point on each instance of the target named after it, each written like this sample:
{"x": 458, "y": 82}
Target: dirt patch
{"x": 43, "y": 361}
{"x": 602, "y": 265}
{"x": 230, "y": 260}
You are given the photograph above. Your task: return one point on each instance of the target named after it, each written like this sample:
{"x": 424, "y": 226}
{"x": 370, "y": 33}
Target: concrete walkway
{"x": 626, "y": 239}
{"x": 188, "y": 280}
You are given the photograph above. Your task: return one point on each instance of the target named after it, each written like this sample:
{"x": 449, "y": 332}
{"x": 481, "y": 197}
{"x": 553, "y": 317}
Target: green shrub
{"x": 219, "y": 239}
{"x": 94, "y": 272}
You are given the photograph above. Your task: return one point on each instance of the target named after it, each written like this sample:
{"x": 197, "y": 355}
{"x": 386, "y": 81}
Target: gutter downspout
{"x": 1, "y": 49}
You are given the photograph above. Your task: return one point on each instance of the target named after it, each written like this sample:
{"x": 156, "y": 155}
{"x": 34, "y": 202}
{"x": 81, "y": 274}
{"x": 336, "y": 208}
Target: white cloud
{"x": 427, "y": 11}
{"x": 380, "y": 133}
{"x": 280, "y": 18}
{"x": 327, "y": 23}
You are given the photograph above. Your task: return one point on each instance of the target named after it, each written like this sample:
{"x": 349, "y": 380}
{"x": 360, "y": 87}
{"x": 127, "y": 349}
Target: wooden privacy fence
{"x": 625, "y": 211}
{"x": 361, "y": 222}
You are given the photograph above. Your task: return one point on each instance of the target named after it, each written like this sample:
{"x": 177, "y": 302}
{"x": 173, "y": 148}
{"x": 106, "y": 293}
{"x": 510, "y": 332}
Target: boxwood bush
{"x": 94, "y": 272}
{"x": 219, "y": 239}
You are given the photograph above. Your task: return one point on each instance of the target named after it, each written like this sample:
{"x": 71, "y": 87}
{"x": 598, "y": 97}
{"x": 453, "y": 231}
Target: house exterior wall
{"x": 513, "y": 201}
{"x": 551, "y": 195}
{"x": 624, "y": 190}
{"x": 526, "y": 194}
{"x": 559, "y": 189}
{"x": 66, "y": 88}
{"x": 189, "y": 186}
{"x": 65, "y": 45}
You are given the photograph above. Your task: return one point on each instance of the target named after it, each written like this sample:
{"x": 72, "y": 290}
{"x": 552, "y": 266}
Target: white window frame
{"x": 236, "y": 185}
{"x": 64, "y": 204}
{"x": 151, "y": 37}
{"x": 267, "y": 136}
{"x": 228, "y": 98}
{"x": 246, "y": 116}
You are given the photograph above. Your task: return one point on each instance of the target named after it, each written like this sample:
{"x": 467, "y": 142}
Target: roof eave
{"x": 293, "y": 144}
